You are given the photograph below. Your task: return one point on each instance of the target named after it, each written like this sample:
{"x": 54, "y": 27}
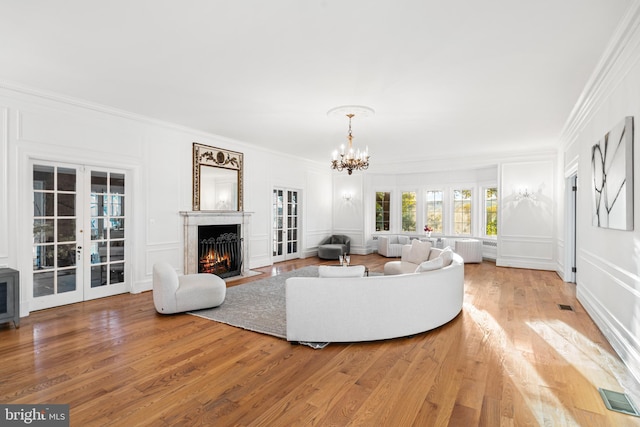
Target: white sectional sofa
{"x": 414, "y": 255}
{"x": 333, "y": 309}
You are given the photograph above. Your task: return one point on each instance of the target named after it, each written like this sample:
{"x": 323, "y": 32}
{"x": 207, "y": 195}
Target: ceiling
{"x": 445, "y": 78}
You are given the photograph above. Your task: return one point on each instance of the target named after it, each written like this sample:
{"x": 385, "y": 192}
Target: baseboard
{"x": 529, "y": 264}
{"x": 629, "y": 355}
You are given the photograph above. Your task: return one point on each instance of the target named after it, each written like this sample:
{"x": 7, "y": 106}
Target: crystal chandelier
{"x": 348, "y": 158}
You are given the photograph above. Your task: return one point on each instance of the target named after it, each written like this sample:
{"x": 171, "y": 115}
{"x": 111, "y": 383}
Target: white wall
{"x": 156, "y": 156}
{"x": 526, "y": 224}
{"x": 608, "y": 261}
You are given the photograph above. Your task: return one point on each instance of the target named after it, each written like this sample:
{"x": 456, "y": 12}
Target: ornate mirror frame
{"x": 207, "y": 156}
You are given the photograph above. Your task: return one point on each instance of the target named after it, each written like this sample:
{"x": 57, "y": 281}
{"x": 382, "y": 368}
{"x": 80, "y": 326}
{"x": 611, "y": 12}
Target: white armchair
{"x": 176, "y": 294}
{"x": 391, "y": 246}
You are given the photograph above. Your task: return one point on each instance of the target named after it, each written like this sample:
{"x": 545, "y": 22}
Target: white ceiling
{"x": 445, "y": 77}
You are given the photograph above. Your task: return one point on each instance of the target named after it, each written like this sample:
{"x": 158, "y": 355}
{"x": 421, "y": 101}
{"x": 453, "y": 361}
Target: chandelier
{"x": 348, "y": 158}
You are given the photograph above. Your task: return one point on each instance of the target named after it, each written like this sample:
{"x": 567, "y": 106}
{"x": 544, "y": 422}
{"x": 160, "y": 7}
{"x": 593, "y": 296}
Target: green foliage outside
{"x": 462, "y": 211}
{"x": 491, "y": 203}
{"x": 409, "y": 211}
{"x": 383, "y": 200}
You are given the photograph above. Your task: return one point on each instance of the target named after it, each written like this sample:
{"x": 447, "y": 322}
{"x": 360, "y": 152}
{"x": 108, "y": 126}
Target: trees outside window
{"x": 383, "y": 205}
{"x": 491, "y": 211}
{"x": 462, "y": 211}
{"x": 408, "y": 211}
{"x": 433, "y": 210}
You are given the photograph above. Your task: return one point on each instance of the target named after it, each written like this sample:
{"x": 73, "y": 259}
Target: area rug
{"x": 259, "y": 306}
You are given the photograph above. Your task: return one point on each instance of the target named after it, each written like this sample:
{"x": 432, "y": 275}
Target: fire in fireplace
{"x": 220, "y": 250}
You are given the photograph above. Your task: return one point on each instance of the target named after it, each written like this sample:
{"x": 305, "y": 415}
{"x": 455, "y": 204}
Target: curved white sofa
{"x": 373, "y": 308}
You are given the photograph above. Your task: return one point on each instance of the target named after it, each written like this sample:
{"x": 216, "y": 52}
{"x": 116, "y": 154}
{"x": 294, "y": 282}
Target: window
{"x": 462, "y": 211}
{"x": 491, "y": 211}
{"x": 383, "y": 204}
{"x": 408, "y": 211}
{"x": 433, "y": 210}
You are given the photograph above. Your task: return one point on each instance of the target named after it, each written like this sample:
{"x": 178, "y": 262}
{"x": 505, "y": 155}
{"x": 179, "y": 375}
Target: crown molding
{"x": 210, "y": 138}
{"x": 621, "y": 54}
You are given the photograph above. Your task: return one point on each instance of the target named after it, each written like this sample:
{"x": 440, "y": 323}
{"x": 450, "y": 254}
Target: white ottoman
{"x": 469, "y": 249}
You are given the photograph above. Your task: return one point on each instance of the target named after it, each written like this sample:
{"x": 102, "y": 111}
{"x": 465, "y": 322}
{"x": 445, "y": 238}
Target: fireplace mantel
{"x": 193, "y": 219}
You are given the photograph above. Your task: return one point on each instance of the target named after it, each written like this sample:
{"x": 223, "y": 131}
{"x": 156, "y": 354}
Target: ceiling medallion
{"x": 348, "y": 158}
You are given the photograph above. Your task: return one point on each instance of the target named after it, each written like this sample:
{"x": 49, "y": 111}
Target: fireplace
{"x": 220, "y": 250}
{"x": 219, "y": 231}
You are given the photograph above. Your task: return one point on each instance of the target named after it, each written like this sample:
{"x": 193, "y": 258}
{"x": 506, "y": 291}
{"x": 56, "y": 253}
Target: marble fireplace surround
{"x": 193, "y": 219}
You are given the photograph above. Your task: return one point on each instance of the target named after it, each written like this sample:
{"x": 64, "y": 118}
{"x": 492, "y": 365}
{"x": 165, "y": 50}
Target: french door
{"x": 79, "y": 240}
{"x": 286, "y": 208}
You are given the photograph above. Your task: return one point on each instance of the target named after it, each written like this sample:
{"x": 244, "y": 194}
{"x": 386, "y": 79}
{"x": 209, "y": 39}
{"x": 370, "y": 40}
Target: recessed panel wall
{"x": 527, "y": 214}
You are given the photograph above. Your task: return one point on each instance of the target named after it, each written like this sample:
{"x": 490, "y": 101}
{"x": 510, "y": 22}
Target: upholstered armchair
{"x": 334, "y": 246}
{"x": 176, "y": 294}
{"x": 391, "y": 245}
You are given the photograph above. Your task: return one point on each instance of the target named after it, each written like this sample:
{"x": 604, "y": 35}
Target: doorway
{"x": 571, "y": 223}
{"x": 285, "y": 227}
{"x": 79, "y": 242}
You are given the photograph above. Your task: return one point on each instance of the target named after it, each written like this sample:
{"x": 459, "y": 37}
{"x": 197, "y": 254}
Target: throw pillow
{"x": 434, "y": 253}
{"x": 404, "y": 240}
{"x": 433, "y": 264}
{"x": 447, "y": 256}
{"x": 419, "y": 252}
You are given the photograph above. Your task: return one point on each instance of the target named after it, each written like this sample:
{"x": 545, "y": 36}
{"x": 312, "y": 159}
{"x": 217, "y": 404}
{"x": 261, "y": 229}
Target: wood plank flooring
{"x": 511, "y": 358}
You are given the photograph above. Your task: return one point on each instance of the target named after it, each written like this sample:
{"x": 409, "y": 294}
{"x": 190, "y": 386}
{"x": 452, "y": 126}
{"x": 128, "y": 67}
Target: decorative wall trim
{"x": 155, "y": 253}
{"x": 612, "y": 330}
{"x": 626, "y": 279}
{"x": 529, "y": 263}
{"x": 4, "y": 185}
{"x": 85, "y": 105}
{"x": 619, "y": 57}
{"x": 625, "y": 342}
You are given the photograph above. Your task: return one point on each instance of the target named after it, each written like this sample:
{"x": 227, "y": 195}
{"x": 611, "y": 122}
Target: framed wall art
{"x": 612, "y": 178}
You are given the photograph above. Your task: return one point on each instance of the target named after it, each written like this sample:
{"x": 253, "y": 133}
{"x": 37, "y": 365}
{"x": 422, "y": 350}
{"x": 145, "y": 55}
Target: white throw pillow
{"x": 403, "y": 240}
{"x": 430, "y": 265}
{"x": 337, "y": 271}
{"x": 447, "y": 256}
{"x": 419, "y": 252}
{"x": 434, "y": 253}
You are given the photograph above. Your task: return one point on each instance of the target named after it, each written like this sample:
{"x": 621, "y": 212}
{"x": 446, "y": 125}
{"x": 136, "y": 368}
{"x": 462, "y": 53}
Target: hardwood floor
{"x": 511, "y": 357}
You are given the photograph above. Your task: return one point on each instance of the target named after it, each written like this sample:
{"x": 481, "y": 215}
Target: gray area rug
{"x": 259, "y": 306}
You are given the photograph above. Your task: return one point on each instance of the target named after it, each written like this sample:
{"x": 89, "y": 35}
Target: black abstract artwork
{"x": 612, "y": 175}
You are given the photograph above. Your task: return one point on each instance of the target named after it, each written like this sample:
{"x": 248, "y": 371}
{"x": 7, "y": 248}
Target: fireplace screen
{"x": 220, "y": 250}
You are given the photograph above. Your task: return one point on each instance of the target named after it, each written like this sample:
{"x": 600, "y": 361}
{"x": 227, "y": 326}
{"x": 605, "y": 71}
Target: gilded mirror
{"x": 217, "y": 179}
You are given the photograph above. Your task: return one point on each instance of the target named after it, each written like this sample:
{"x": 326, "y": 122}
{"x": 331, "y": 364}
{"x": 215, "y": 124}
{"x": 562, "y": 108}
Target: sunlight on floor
{"x": 607, "y": 370}
{"x": 544, "y": 401}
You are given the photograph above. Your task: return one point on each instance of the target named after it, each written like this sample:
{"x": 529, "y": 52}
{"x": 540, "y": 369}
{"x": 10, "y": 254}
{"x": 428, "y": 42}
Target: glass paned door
{"x": 67, "y": 200}
{"x": 57, "y": 238}
{"x": 285, "y": 226}
{"x": 107, "y": 247}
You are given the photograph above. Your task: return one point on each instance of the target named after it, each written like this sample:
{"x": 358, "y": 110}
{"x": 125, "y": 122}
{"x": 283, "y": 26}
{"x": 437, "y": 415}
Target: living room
{"x": 48, "y": 126}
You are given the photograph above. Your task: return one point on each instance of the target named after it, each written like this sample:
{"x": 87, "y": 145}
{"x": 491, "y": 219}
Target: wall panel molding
{"x": 624, "y": 278}
{"x": 624, "y": 342}
{"x": 4, "y": 186}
